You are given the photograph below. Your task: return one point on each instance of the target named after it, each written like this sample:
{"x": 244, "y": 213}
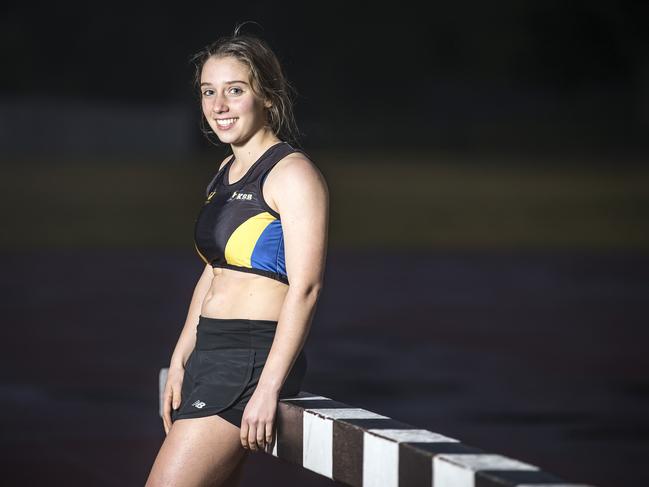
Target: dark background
{"x": 505, "y": 76}
{"x": 487, "y": 275}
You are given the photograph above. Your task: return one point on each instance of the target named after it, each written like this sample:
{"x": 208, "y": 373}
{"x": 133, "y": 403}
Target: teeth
{"x": 226, "y": 121}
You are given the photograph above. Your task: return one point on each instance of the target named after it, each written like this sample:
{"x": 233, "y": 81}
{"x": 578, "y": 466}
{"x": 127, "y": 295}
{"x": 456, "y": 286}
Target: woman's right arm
{"x": 185, "y": 345}
{"x": 187, "y": 339}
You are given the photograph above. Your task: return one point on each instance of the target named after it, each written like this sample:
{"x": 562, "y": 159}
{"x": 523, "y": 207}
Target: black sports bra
{"x": 235, "y": 228}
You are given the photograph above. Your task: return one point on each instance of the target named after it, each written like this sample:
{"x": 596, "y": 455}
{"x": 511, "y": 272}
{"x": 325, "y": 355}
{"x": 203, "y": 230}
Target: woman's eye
{"x": 238, "y": 90}
{"x": 207, "y": 92}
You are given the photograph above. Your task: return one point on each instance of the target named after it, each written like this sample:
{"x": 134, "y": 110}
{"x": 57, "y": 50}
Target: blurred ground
{"x": 538, "y": 356}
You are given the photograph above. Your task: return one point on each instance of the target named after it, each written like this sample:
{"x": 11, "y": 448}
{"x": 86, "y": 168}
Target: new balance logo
{"x": 198, "y": 404}
{"x": 240, "y": 196}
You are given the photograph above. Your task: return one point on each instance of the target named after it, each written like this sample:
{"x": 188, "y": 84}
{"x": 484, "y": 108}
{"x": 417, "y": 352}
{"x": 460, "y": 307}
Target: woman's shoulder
{"x": 296, "y": 167}
{"x": 296, "y": 160}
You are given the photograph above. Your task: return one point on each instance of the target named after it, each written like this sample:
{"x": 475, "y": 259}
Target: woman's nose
{"x": 219, "y": 105}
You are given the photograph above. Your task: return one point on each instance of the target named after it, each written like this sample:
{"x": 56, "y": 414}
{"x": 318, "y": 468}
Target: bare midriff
{"x": 236, "y": 294}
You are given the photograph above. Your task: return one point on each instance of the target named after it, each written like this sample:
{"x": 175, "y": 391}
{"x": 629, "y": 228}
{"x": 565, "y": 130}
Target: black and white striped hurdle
{"x": 365, "y": 449}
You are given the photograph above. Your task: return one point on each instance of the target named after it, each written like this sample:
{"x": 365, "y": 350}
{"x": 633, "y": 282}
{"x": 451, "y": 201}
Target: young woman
{"x": 262, "y": 232}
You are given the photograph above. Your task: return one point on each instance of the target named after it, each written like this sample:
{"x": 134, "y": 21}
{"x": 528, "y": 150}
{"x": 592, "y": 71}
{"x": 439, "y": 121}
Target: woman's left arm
{"x": 303, "y": 203}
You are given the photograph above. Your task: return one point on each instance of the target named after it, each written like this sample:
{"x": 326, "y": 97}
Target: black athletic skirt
{"x": 223, "y": 370}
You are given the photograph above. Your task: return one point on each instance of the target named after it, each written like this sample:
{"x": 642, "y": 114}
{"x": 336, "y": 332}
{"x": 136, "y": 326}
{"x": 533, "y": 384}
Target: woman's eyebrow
{"x": 227, "y": 82}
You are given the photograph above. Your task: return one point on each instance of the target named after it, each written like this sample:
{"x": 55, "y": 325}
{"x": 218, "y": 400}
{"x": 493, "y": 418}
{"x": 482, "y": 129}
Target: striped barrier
{"x": 365, "y": 449}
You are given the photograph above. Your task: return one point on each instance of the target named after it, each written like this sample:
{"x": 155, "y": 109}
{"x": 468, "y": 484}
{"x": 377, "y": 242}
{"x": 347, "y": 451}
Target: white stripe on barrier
{"x": 458, "y": 469}
{"x": 412, "y": 435}
{"x": 317, "y": 444}
{"x": 346, "y": 413}
{"x": 162, "y": 381}
{"x": 381, "y": 453}
{"x": 275, "y": 441}
{"x": 380, "y": 462}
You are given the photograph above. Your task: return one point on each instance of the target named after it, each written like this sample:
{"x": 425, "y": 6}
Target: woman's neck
{"x": 246, "y": 154}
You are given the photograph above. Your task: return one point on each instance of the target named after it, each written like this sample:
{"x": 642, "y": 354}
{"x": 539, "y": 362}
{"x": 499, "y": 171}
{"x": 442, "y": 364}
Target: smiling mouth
{"x": 226, "y": 122}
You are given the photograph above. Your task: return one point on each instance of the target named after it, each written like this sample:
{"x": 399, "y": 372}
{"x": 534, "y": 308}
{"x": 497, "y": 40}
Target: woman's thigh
{"x": 197, "y": 452}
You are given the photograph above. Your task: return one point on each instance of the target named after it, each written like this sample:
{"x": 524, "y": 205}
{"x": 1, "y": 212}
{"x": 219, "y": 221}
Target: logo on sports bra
{"x": 240, "y": 196}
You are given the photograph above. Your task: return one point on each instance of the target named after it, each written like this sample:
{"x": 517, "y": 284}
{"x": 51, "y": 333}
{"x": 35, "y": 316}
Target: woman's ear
{"x": 267, "y": 103}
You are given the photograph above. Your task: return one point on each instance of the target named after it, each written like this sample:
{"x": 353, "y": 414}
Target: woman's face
{"x": 233, "y": 111}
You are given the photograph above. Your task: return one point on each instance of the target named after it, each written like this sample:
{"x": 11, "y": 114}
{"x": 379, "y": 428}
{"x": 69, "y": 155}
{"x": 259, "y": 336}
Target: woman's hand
{"x": 258, "y": 420}
{"x": 171, "y": 396}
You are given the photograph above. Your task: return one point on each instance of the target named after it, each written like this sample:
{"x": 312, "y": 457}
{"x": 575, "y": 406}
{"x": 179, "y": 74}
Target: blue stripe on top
{"x": 268, "y": 253}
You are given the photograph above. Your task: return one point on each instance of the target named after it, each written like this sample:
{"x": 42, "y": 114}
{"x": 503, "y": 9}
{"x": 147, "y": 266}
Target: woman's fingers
{"x": 244, "y": 433}
{"x": 256, "y": 436}
{"x": 171, "y": 399}
{"x": 252, "y": 437}
{"x": 269, "y": 433}
{"x": 261, "y": 436}
{"x": 256, "y": 432}
{"x": 176, "y": 397}
{"x": 166, "y": 409}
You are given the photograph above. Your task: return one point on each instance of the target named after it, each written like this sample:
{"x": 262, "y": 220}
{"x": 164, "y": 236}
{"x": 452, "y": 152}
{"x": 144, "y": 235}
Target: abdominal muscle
{"x": 236, "y": 294}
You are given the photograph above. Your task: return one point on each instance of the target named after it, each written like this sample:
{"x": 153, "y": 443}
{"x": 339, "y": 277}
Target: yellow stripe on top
{"x": 238, "y": 250}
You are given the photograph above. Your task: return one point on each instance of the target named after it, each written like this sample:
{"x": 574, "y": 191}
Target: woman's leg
{"x": 199, "y": 452}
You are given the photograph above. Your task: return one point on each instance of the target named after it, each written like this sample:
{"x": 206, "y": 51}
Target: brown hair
{"x": 266, "y": 76}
